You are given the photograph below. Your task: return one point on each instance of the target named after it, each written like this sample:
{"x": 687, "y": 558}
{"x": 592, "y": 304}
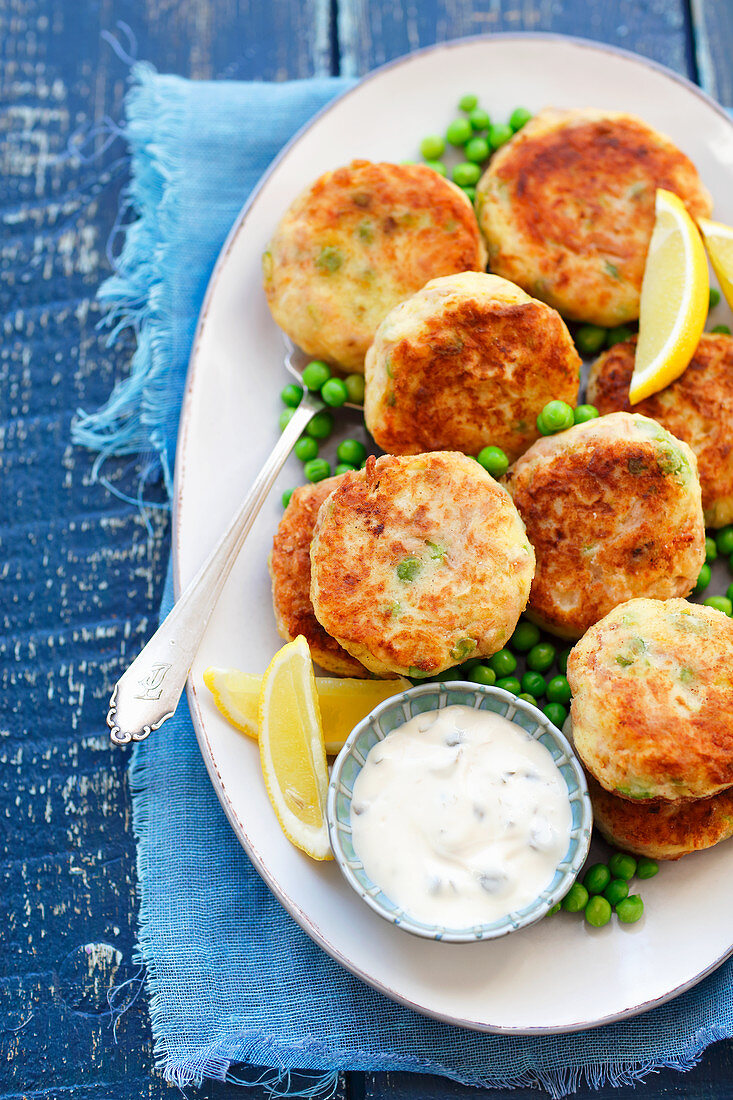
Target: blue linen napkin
{"x": 231, "y": 977}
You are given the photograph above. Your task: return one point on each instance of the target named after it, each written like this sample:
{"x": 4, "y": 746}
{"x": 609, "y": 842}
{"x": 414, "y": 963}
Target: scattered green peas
{"x": 285, "y": 417}
{"x": 630, "y": 910}
{"x": 703, "y": 579}
{"x": 317, "y": 469}
{"x": 527, "y": 698}
{"x": 724, "y": 540}
{"x": 622, "y": 865}
{"x": 558, "y": 690}
{"x": 723, "y": 330}
{"x": 351, "y": 451}
{"x": 541, "y": 656}
{"x": 286, "y": 497}
{"x": 618, "y": 335}
{"x": 499, "y": 134}
{"x": 555, "y": 909}
{"x": 315, "y": 374}
{"x": 525, "y": 636}
{"x": 598, "y": 911}
{"x": 482, "y": 674}
{"x": 519, "y": 117}
{"x": 576, "y": 898}
{"x": 616, "y": 891}
{"x": 596, "y": 878}
{"x": 720, "y": 603}
{"x": 306, "y": 448}
{"x": 355, "y": 388}
{"x": 729, "y": 591}
{"x": 714, "y": 297}
{"x": 589, "y": 339}
{"x": 459, "y": 131}
{"x": 468, "y": 102}
{"x": 647, "y": 868}
{"x": 466, "y": 174}
{"x": 477, "y": 150}
{"x": 321, "y": 425}
{"x": 583, "y": 413}
{"x": 479, "y": 119}
{"x": 556, "y": 712}
{"x": 437, "y": 166}
{"x": 556, "y": 416}
{"x": 711, "y": 549}
{"x": 291, "y": 395}
{"x": 562, "y": 661}
{"x": 509, "y": 683}
{"x": 334, "y": 392}
{"x": 470, "y": 193}
{"x": 494, "y": 461}
{"x": 344, "y": 468}
{"x": 534, "y": 683}
{"x": 503, "y": 663}
{"x": 432, "y": 147}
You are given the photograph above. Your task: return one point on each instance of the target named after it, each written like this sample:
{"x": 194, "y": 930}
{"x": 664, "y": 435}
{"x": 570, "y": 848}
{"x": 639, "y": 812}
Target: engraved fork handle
{"x": 148, "y": 692}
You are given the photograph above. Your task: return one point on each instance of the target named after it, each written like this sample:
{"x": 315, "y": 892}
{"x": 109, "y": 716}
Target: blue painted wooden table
{"x": 80, "y": 569}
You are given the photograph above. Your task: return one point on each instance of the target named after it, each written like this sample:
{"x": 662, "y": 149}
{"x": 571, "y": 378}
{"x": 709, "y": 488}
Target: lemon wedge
{"x": 343, "y": 702}
{"x": 292, "y": 751}
{"x": 674, "y": 299}
{"x": 719, "y": 243}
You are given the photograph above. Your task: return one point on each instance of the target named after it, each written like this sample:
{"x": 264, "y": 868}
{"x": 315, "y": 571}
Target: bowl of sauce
{"x": 459, "y": 812}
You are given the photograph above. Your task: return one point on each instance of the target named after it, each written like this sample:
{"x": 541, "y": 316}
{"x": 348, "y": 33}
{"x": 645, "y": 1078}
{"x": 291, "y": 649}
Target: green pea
{"x": 315, "y": 374}
{"x": 714, "y": 297}
{"x": 583, "y": 413}
{"x": 541, "y": 656}
{"x": 479, "y": 119}
{"x": 729, "y": 591}
{"x": 317, "y": 469}
{"x": 616, "y": 891}
{"x": 468, "y": 103}
{"x": 285, "y": 417}
{"x": 528, "y": 698}
{"x": 352, "y": 451}
{"x": 459, "y": 131}
{"x": 470, "y": 193}
{"x": 493, "y": 460}
{"x": 355, "y": 388}
{"x": 576, "y": 898}
{"x": 622, "y": 865}
{"x": 541, "y": 426}
{"x": 557, "y": 416}
{"x": 558, "y": 690}
{"x": 344, "y": 468}
{"x": 503, "y": 663}
{"x": 647, "y": 868}
{"x": 556, "y": 712}
{"x": 703, "y": 579}
{"x": 720, "y": 603}
{"x": 499, "y": 134}
{"x": 534, "y": 683}
{"x": 447, "y": 675}
{"x": 286, "y": 497}
{"x": 477, "y": 150}
{"x": 408, "y": 569}
{"x": 466, "y": 174}
{"x": 321, "y": 425}
{"x": 525, "y": 636}
{"x": 618, "y": 335}
{"x": 437, "y": 166}
{"x": 724, "y": 540}
{"x": 519, "y": 117}
{"x": 711, "y": 549}
{"x": 555, "y": 909}
{"x": 509, "y": 683}
{"x": 598, "y": 911}
{"x": 306, "y": 448}
{"x": 334, "y": 392}
{"x": 589, "y": 339}
{"x": 562, "y": 661}
{"x": 291, "y": 395}
{"x": 432, "y": 147}
{"x": 630, "y": 910}
{"x": 722, "y": 330}
{"x": 596, "y": 878}
{"x": 482, "y": 674}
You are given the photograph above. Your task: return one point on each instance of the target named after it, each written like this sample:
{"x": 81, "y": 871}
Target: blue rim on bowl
{"x": 398, "y": 710}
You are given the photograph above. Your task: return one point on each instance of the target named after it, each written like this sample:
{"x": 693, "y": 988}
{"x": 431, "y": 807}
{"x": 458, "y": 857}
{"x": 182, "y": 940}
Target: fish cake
{"x": 567, "y": 209}
{"x": 697, "y": 407}
{"x": 652, "y": 688}
{"x": 358, "y": 241}
{"x": 612, "y": 509}
{"x": 419, "y": 562}
{"x": 664, "y": 830}
{"x": 469, "y": 360}
{"x": 290, "y": 569}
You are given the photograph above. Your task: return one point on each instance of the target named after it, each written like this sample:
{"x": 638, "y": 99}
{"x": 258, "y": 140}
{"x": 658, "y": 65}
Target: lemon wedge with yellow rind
{"x": 719, "y": 244}
{"x": 236, "y": 696}
{"x": 674, "y": 299}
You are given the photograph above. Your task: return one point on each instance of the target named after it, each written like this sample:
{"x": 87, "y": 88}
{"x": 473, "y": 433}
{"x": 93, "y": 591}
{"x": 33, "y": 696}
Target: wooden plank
{"x": 712, "y": 22}
{"x": 370, "y": 34}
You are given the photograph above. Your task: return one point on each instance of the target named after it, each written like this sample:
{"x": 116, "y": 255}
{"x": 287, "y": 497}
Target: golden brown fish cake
{"x": 652, "y": 687}
{"x": 567, "y": 209}
{"x": 698, "y": 408}
{"x": 665, "y": 830}
{"x": 419, "y": 562}
{"x": 357, "y": 242}
{"x": 612, "y": 509}
{"x": 469, "y": 360}
{"x": 290, "y": 569}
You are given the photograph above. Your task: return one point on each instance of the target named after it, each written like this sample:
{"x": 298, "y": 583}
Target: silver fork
{"x": 147, "y": 693}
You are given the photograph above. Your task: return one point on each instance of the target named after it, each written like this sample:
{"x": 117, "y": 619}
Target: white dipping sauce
{"x": 460, "y": 817}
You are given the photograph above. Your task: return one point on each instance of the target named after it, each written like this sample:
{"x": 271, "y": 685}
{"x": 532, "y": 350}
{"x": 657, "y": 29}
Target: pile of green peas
{"x": 476, "y": 136}
{"x": 605, "y": 890}
{"x": 717, "y": 545}
{"x": 558, "y": 416}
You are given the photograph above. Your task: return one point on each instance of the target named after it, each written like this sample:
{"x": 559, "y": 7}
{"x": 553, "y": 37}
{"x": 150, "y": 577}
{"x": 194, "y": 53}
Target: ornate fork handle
{"x": 148, "y": 692}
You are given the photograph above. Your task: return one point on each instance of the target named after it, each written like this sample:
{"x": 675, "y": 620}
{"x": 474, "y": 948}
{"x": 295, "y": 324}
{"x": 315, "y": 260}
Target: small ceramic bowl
{"x": 398, "y": 710}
